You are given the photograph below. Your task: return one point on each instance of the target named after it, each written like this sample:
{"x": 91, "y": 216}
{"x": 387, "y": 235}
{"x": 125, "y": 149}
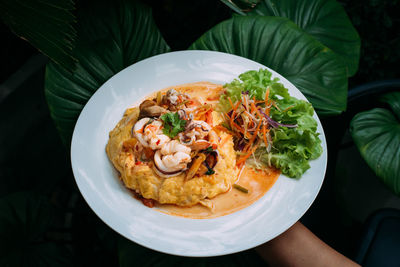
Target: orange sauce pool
{"x": 257, "y": 183}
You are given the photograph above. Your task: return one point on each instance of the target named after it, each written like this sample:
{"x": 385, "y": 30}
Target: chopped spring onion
{"x": 241, "y": 188}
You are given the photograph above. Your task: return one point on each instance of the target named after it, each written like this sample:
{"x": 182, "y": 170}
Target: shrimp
{"x": 149, "y": 133}
{"x": 172, "y": 162}
{"x": 198, "y": 129}
{"x": 158, "y": 141}
{"x": 176, "y": 160}
{"x": 173, "y": 147}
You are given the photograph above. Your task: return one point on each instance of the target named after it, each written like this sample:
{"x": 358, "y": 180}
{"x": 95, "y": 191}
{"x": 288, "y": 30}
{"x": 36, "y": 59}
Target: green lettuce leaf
{"x": 255, "y": 83}
{"x": 292, "y": 148}
{"x": 289, "y": 164}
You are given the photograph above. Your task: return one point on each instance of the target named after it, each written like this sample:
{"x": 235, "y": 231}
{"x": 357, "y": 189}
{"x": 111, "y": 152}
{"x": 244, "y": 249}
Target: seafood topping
{"x": 149, "y": 133}
{"x": 175, "y": 133}
{"x": 175, "y": 100}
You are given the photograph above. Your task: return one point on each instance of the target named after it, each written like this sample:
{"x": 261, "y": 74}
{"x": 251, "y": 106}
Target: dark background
{"x": 32, "y": 156}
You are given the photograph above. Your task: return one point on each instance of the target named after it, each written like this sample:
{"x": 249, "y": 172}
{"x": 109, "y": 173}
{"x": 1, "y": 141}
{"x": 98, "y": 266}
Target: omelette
{"x": 171, "y": 148}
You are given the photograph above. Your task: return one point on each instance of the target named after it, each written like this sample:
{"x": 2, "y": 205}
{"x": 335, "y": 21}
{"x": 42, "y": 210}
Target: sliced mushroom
{"x": 152, "y": 111}
{"x": 147, "y": 103}
{"x": 212, "y": 159}
{"x": 149, "y": 108}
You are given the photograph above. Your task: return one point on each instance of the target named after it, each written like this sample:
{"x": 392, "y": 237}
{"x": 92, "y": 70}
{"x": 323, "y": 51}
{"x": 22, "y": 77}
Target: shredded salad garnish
{"x": 270, "y": 127}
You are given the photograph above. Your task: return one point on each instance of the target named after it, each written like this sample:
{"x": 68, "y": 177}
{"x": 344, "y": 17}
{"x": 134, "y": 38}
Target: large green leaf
{"x": 325, "y": 20}
{"x": 279, "y": 44}
{"x": 47, "y": 24}
{"x": 131, "y": 254}
{"x": 24, "y": 220}
{"x": 376, "y": 134}
{"x": 112, "y": 35}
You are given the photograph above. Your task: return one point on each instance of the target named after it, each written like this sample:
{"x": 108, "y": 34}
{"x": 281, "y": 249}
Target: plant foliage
{"x": 112, "y": 35}
{"x": 325, "y": 20}
{"x": 279, "y": 44}
{"x": 376, "y": 134}
{"x": 47, "y": 24}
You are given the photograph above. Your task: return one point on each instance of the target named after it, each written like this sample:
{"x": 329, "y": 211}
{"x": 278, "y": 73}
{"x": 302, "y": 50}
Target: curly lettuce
{"x": 292, "y": 148}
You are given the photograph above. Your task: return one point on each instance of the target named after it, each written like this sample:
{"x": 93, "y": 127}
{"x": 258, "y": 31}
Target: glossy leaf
{"x": 241, "y": 6}
{"x": 112, "y": 35}
{"x": 282, "y": 46}
{"x": 325, "y": 20}
{"x": 131, "y": 254}
{"x": 376, "y": 134}
{"x": 24, "y": 220}
{"x": 48, "y": 25}
{"x": 393, "y": 100}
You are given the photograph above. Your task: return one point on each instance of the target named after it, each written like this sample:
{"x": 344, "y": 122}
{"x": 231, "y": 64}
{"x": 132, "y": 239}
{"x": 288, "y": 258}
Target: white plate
{"x": 268, "y": 217}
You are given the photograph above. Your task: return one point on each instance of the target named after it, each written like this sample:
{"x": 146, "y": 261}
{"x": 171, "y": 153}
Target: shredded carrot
{"x": 230, "y": 101}
{"x": 241, "y": 130}
{"x": 258, "y": 113}
{"x": 246, "y": 103}
{"x": 265, "y": 135}
{"x": 234, "y": 108}
{"x": 251, "y": 123}
{"x": 253, "y": 138}
{"x": 237, "y": 105}
{"x": 245, "y": 157}
{"x": 267, "y": 97}
{"x": 252, "y": 111}
{"x": 255, "y": 133}
{"x": 231, "y": 119}
{"x": 234, "y": 125}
